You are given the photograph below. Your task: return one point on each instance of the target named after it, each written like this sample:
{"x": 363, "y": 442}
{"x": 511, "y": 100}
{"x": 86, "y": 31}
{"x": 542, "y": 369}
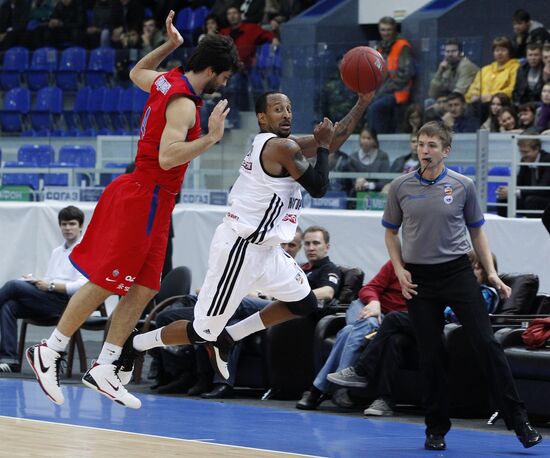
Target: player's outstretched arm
{"x": 345, "y": 127}
{"x": 174, "y": 150}
{"x": 144, "y": 72}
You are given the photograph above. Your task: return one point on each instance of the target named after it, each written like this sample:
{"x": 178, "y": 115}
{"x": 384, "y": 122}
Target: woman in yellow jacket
{"x": 499, "y": 76}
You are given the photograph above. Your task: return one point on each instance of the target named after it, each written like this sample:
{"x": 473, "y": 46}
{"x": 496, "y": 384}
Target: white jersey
{"x": 264, "y": 209}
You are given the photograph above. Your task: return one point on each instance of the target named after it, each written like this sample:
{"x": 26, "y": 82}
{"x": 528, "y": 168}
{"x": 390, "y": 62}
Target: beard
{"x": 211, "y": 86}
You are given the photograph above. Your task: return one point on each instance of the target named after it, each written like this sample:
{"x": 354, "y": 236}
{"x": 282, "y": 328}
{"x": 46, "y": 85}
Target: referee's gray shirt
{"x": 434, "y": 216}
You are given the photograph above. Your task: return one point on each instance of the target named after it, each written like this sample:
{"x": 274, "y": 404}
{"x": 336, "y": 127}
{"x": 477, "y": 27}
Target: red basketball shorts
{"x": 125, "y": 242}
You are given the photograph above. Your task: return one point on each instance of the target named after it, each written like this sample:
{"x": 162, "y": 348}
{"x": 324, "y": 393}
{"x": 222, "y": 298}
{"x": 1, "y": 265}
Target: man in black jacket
{"x": 530, "y": 150}
{"x": 529, "y": 79}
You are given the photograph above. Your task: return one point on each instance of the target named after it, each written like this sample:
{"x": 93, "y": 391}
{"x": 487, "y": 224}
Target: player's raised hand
{"x": 324, "y": 131}
{"x": 216, "y": 120}
{"x": 173, "y": 35}
{"x": 366, "y": 97}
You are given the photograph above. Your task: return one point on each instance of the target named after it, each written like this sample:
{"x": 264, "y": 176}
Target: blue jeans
{"x": 21, "y": 299}
{"x": 349, "y": 342}
{"x": 381, "y": 114}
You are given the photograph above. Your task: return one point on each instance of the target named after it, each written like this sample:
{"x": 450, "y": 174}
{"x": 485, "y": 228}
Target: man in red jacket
{"x": 247, "y": 36}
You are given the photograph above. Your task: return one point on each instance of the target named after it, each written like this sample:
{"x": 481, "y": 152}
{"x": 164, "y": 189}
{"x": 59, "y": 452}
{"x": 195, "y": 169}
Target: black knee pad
{"x": 194, "y": 338}
{"x": 305, "y": 306}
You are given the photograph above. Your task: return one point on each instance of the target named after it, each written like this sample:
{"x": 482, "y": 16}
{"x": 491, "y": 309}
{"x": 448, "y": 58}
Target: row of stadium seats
{"x": 96, "y": 111}
{"x": 43, "y": 156}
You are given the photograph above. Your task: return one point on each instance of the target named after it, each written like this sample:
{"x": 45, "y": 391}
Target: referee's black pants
{"x": 453, "y": 283}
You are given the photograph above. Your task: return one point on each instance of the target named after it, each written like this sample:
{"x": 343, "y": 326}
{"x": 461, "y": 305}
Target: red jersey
{"x": 385, "y": 288}
{"x": 246, "y": 37}
{"x": 153, "y": 120}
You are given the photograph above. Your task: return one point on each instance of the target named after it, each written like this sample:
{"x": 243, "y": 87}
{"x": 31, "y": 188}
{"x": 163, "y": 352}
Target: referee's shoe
{"x": 219, "y": 352}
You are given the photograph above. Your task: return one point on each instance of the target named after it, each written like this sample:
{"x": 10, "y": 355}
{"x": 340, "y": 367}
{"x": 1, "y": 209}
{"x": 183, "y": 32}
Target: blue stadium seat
{"x": 17, "y": 103}
{"x": 38, "y": 155}
{"x": 43, "y": 64}
{"x": 110, "y": 108}
{"x": 80, "y": 155}
{"x": 95, "y": 107}
{"x": 106, "y": 178}
{"x": 77, "y": 119}
{"x": 124, "y": 108}
{"x": 21, "y": 179}
{"x": 183, "y": 23}
{"x": 100, "y": 66}
{"x": 198, "y": 17}
{"x": 456, "y": 168}
{"x": 47, "y": 109}
{"x": 470, "y": 170}
{"x": 15, "y": 64}
{"x": 71, "y": 65}
{"x": 501, "y": 171}
{"x": 139, "y": 98}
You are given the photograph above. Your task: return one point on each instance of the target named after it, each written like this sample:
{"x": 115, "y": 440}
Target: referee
{"x": 436, "y": 208}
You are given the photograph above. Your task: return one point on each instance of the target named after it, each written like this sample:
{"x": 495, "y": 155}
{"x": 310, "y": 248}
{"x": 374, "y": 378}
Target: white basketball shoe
{"x": 104, "y": 379}
{"x": 46, "y": 363}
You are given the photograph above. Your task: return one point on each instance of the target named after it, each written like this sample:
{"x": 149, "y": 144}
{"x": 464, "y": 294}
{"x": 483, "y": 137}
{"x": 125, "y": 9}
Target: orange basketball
{"x": 363, "y": 69}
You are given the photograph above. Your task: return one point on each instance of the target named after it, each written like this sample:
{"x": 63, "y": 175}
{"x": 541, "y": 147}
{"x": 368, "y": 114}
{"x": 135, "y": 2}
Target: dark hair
{"x": 233, "y": 5}
{"x": 216, "y": 51}
{"x": 456, "y": 95}
{"x": 521, "y": 15}
{"x": 533, "y": 143}
{"x": 528, "y": 106}
{"x": 261, "y": 101}
{"x": 69, "y": 213}
{"x": 372, "y": 132}
{"x": 454, "y": 42}
{"x": 326, "y": 235}
{"x": 442, "y": 93}
{"x": 388, "y": 20}
{"x": 533, "y": 46}
{"x": 437, "y": 129}
{"x": 411, "y": 109}
{"x": 511, "y": 111}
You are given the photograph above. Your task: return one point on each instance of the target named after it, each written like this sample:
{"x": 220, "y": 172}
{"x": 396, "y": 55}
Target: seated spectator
{"x": 526, "y": 115}
{"x": 414, "y": 115}
{"x": 380, "y": 296}
{"x": 219, "y": 9}
{"x": 455, "y": 72}
{"x": 335, "y": 99}
{"x": 546, "y": 63}
{"x": 338, "y": 161}
{"x": 395, "y": 92}
{"x": 436, "y": 111}
{"x": 497, "y": 77}
{"x": 527, "y": 31}
{"x": 127, "y": 15}
{"x": 247, "y": 37}
{"x": 128, "y": 54}
{"x": 370, "y": 159}
{"x": 507, "y": 120}
{"x": 529, "y": 78}
{"x": 211, "y": 27}
{"x": 40, "y": 297}
{"x": 151, "y": 36}
{"x": 14, "y": 16}
{"x": 542, "y": 118}
{"x": 408, "y": 162}
{"x": 104, "y": 20}
{"x": 456, "y": 118}
{"x": 530, "y": 151}
{"x": 498, "y": 101}
{"x": 66, "y": 25}
{"x": 377, "y": 366}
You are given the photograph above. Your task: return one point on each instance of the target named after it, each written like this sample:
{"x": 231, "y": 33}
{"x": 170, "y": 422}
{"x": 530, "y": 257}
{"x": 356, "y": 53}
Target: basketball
{"x": 363, "y": 69}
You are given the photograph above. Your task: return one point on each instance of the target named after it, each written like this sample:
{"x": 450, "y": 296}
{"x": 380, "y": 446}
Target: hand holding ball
{"x": 363, "y": 69}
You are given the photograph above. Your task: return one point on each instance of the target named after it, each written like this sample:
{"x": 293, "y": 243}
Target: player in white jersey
{"x": 245, "y": 253}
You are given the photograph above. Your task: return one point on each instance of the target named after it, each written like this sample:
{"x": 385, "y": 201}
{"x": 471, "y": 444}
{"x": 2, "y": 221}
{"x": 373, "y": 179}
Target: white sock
{"x": 109, "y": 353}
{"x": 148, "y": 340}
{"x": 244, "y": 328}
{"x": 58, "y": 341}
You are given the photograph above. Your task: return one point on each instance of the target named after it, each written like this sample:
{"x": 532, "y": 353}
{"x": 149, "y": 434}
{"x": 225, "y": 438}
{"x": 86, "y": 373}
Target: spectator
{"x": 380, "y": 296}
{"x": 499, "y": 76}
{"x": 455, "y": 72}
{"x": 41, "y": 10}
{"x": 66, "y": 24}
{"x": 40, "y": 298}
{"x": 14, "y": 16}
{"x": 211, "y": 27}
{"x": 413, "y": 118}
{"x": 526, "y": 115}
{"x": 104, "y": 20}
{"x": 507, "y": 120}
{"x": 498, "y": 101}
{"x": 408, "y": 162}
{"x": 546, "y": 63}
{"x": 247, "y": 37}
{"x": 339, "y": 162}
{"x": 530, "y": 151}
{"x": 369, "y": 159}
{"x": 128, "y": 54}
{"x": 527, "y": 31}
{"x": 542, "y": 120}
{"x": 151, "y": 36}
{"x": 252, "y": 11}
{"x": 436, "y": 111}
{"x": 529, "y": 78}
{"x": 128, "y": 15}
{"x": 456, "y": 118}
{"x": 396, "y": 90}
{"x": 335, "y": 99}
{"x": 219, "y": 9}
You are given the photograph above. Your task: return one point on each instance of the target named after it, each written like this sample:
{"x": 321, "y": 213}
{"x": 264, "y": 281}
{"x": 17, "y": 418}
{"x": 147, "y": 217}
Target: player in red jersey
{"x": 123, "y": 249}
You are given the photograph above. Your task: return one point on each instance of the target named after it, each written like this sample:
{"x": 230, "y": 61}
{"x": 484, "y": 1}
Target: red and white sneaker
{"x": 46, "y": 364}
{"x": 104, "y": 379}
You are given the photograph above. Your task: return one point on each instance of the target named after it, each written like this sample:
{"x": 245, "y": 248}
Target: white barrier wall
{"x": 29, "y": 231}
